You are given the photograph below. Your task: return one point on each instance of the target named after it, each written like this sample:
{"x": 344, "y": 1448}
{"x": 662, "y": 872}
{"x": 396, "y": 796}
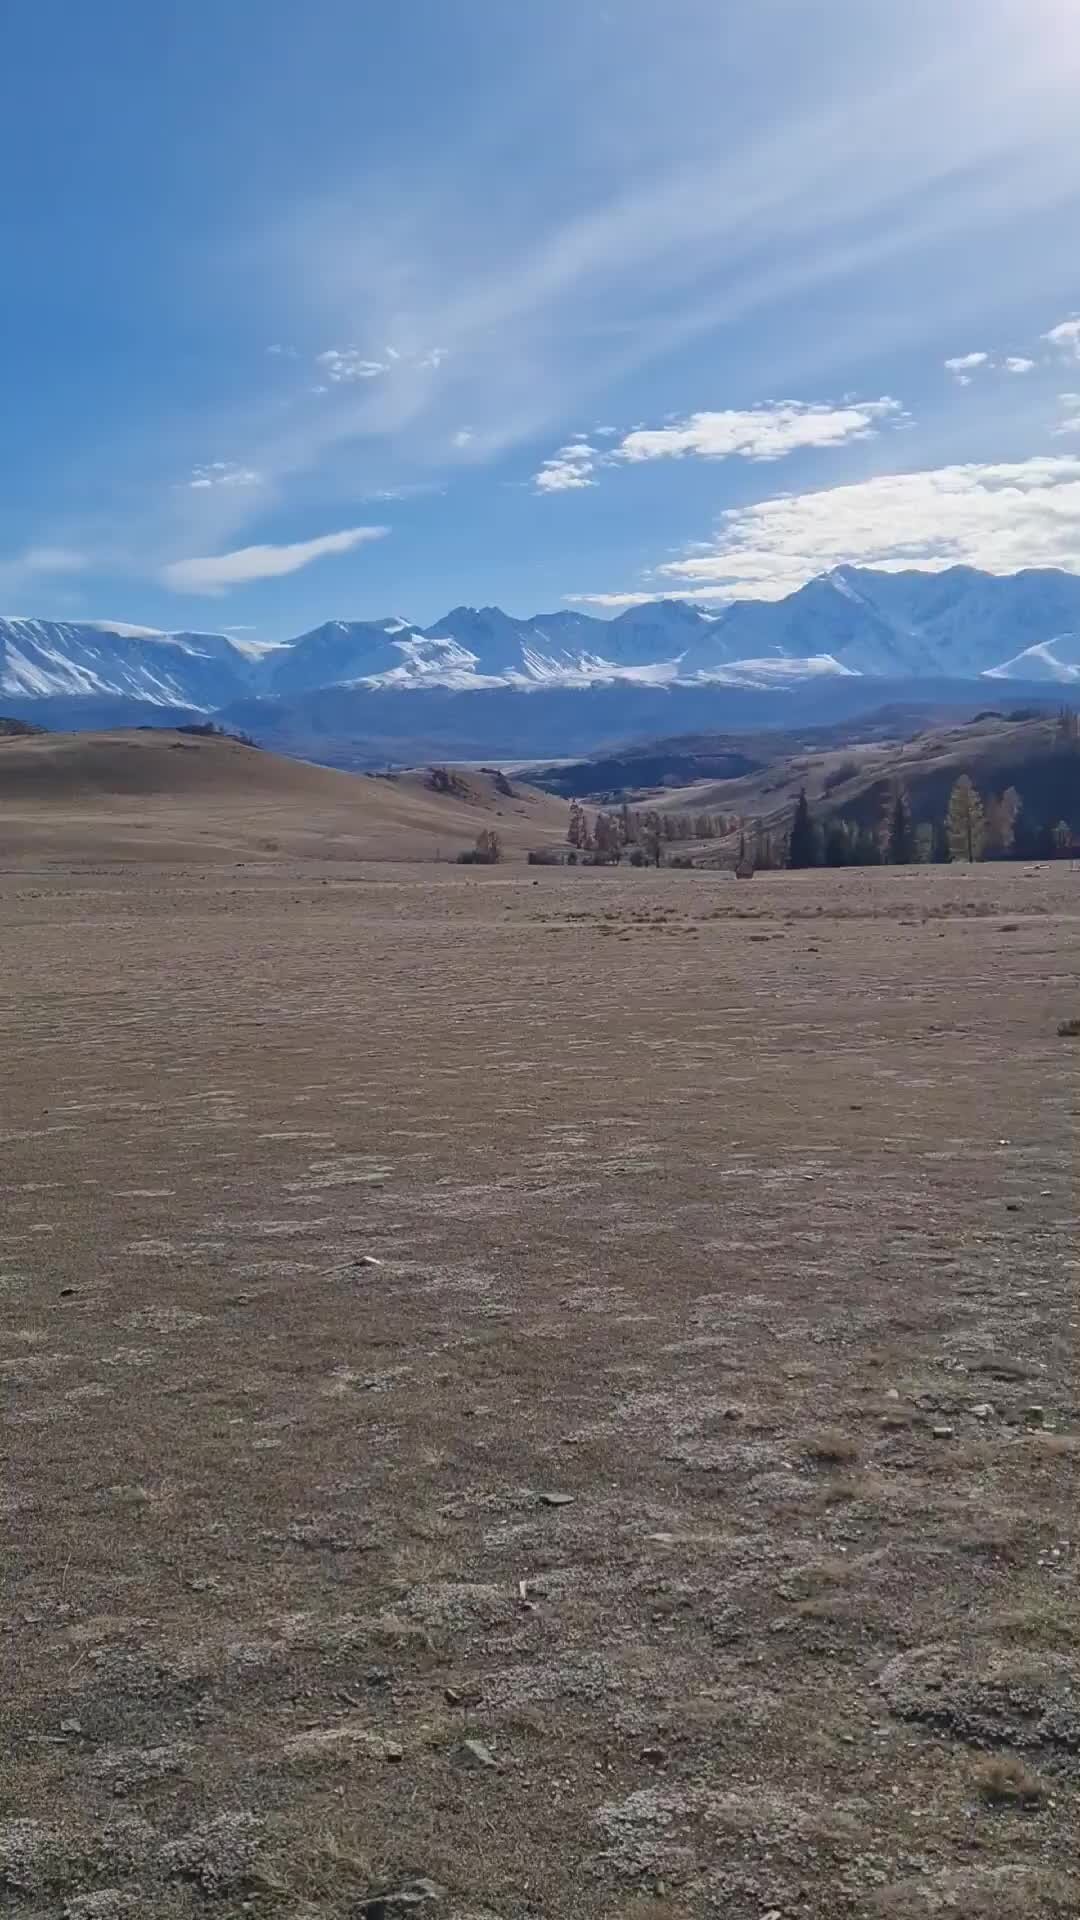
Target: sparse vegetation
{"x": 1069, "y": 1030}
{"x": 210, "y": 730}
{"x": 448, "y": 780}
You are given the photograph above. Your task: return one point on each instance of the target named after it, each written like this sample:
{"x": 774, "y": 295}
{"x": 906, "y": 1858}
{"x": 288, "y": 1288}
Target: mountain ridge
{"x": 960, "y": 624}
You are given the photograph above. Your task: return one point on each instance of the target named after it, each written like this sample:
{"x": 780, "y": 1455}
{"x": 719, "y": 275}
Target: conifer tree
{"x": 802, "y": 846}
{"x": 901, "y": 840}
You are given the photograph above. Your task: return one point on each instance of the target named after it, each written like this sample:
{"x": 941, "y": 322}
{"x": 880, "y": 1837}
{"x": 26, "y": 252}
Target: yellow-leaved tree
{"x": 965, "y": 822}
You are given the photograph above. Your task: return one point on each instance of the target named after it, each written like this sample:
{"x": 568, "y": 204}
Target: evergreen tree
{"x": 901, "y": 839}
{"x": 802, "y": 846}
{"x": 838, "y": 847}
{"x": 867, "y": 849}
{"x": 965, "y": 822}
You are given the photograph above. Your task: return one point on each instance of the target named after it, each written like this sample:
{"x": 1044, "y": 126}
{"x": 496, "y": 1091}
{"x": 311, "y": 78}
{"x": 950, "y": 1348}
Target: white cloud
{"x": 766, "y": 432}
{"x": 1001, "y": 518}
{"x": 224, "y": 473}
{"x": 1070, "y": 415}
{"x": 963, "y": 364}
{"x": 1066, "y": 338}
{"x": 567, "y": 470}
{"x": 464, "y": 436}
{"x": 1018, "y": 363}
{"x": 343, "y": 365}
{"x": 215, "y": 573}
{"x": 433, "y": 358}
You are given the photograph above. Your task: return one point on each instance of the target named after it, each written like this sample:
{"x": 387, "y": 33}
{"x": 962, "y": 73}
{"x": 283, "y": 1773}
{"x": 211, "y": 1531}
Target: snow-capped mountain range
{"x": 957, "y": 625}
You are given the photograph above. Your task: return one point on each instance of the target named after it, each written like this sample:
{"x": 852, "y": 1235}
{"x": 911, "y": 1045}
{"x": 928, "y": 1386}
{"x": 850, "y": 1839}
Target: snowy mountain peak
{"x": 959, "y": 624}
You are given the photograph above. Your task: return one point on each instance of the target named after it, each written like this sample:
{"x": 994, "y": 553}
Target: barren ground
{"x": 702, "y": 1447}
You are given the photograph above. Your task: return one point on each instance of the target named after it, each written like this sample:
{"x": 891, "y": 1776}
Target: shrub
{"x": 1069, "y": 1030}
{"x": 486, "y": 853}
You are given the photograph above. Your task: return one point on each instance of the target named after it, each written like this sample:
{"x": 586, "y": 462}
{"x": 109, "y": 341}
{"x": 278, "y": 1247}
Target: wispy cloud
{"x": 1070, "y": 415}
{"x": 703, "y": 223}
{"x": 224, "y": 473}
{"x": 52, "y": 560}
{"x": 215, "y": 573}
{"x": 1066, "y": 338}
{"x": 998, "y": 517}
{"x": 1018, "y": 363}
{"x": 343, "y": 365}
{"x": 26, "y": 570}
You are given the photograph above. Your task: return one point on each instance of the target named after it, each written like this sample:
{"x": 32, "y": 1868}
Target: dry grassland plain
{"x": 531, "y": 1395}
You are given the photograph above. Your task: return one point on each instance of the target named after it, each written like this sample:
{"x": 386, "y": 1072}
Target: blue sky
{"x": 340, "y": 309}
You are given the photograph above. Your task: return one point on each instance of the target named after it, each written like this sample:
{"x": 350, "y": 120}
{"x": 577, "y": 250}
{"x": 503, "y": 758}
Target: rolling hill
{"x": 166, "y": 796}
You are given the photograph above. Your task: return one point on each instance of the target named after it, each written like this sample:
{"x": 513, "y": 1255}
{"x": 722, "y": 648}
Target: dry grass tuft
{"x": 831, "y": 1447}
{"x": 1003, "y": 1780}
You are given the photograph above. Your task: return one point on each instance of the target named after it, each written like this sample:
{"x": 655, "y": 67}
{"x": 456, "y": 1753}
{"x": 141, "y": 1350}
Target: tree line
{"x": 642, "y": 836}
{"x": 973, "y": 827}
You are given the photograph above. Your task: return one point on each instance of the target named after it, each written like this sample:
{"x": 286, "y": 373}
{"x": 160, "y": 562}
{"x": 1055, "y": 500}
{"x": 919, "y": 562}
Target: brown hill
{"x": 164, "y": 795}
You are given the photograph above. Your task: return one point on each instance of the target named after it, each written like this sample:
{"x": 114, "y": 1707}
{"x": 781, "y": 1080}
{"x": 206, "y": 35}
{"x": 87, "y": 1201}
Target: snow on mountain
{"x": 1057, "y": 660}
{"x": 41, "y": 659}
{"x": 959, "y": 624}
